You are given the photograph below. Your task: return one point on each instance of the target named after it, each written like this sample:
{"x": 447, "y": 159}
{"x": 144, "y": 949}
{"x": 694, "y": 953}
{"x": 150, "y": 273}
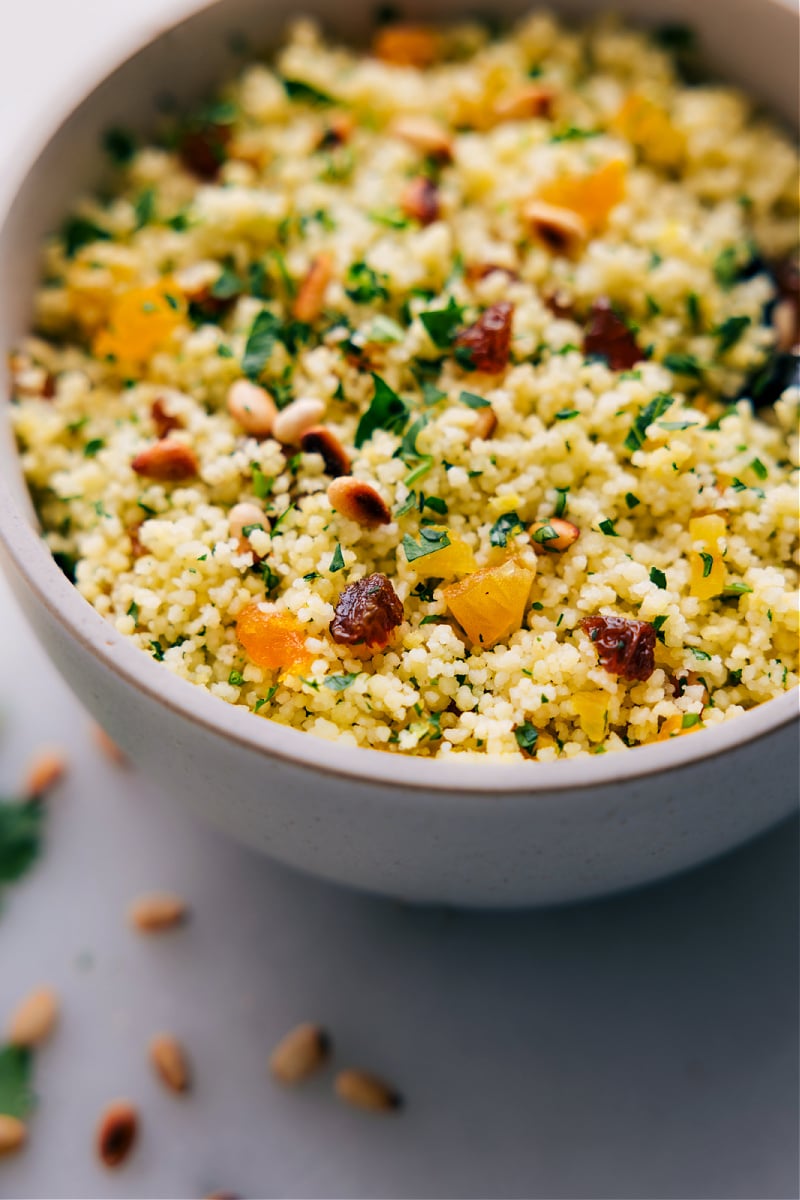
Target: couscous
{"x": 437, "y": 398}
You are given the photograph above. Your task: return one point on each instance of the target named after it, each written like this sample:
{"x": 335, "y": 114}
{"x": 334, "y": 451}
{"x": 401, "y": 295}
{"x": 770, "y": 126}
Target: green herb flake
{"x": 758, "y": 467}
{"x": 432, "y": 395}
{"x": 144, "y": 207}
{"x": 737, "y": 588}
{"x": 442, "y": 324}
{"x": 157, "y": 650}
{"x": 436, "y": 504}
{"x": 227, "y": 285}
{"x": 80, "y": 231}
{"x": 567, "y": 414}
{"x": 689, "y": 720}
{"x": 693, "y": 310}
{"x": 647, "y": 416}
{"x": 473, "y": 401}
{"x": 337, "y": 562}
{"x": 726, "y": 268}
{"x": 236, "y": 679}
{"x": 363, "y": 285}
{"x": 340, "y": 683}
{"x": 430, "y": 541}
{"x": 433, "y": 619}
{"x": 393, "y": 218}
{"x": 120, "y": 145}
{"x": 260, "y": 343}
{"x": 526, "y": 735}
{"x": 262, "y": 484}
{"x": 683, "y": 364}
{"x": 503, "y": 526}
{"x": 607, "y": 527}
{"x": 631, "y": 500}
{"x": 561, "y": 501}
{"x": 387, "y": 410}
{"x": 658, "y": 577}
{"x": 300, "y": 92}
{"x": 20, "y": 840}
{"x": 92, "y": 448}
{"x": 708, "y": 563}
{"x": 133, "y": 611}
{"x": 701, "y": 654}
{"x": 16, "y": 1078}
{"x": 425, "y": 465}
{"x": 573, "y": 134}
{"x": 730, "y": 332}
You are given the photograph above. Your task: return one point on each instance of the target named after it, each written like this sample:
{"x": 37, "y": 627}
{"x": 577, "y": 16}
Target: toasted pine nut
{"x": 299, "y": 1053}
{"x": 555, "y": 534}
{"x": 407, "y": 45}
{"x": 424, "y": 134}
{"x": 170, "y": 1062}
{"x": 12, "y": 1134}
{"x": 484, "y": 424}
{"x": 157, "y": 911}
{"x": 167, "y": 460}
{"x": 116, "y": 1132}
{"x": 47, "y": 769}
{"x": 296, "y": 418}
{"x": 109, "y": 746}
{"x": 359, "y": 502}
{"x": 311, "y": 295}
{"x": 534, "y": 100}
{"x": 252, "y": 407}
{"x": 319, "y": 440}
{"x": 420, "y": 200}
{"x": 786, "y": 323}
{"x": 560, "y": 229}
{"x": 366, "y": 1091}
{"x": 244, "y": 515}
{"x": 34, "y": 1018}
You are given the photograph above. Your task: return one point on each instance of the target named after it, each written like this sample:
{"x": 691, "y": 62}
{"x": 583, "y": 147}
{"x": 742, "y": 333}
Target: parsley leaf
{"x": 726, "y": 268}
{"x": 363, "y": 285}
{"x": 503, "y": 526}
{"x": 729, "y": 332}
{"x": 16, "y": 1071}
{"x": 683, "y": 364}
{"x": 561, "y": 502}
{"x": 473, "y": 401}
{"x": 442, "y": 324}
{"x": 608, "y": 528}
{"x": 758, "y": 467}
{"x": 337, "y": 562}
{"x": 430, "y": 540}
{"x": 80, "y": 231}
{"x": 20, "y": 840}
{"x": 260, "y": 342}
{"x": 305, "y": 93}
{"x": 736, "y": 589}
{"x": 387, "y": 410}
{"x": 708, "y": 563}
{"x": 338, "y": 683}
{"x": 658, "y": 577}
{"x": 647, "y": 416}
{"x": 119, "y": 145}
{"x": 698, "y": 653}
{"x": 527, "y": 736}
{"x": 567, "y": 414}
{"x": 690, "y": 719}
{"x": 631, "y": 500}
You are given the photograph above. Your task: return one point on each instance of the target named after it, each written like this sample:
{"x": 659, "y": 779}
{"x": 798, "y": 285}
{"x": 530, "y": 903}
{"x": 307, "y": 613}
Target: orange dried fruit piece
{"x": 674, "y": 727}
{"x": 455, "y": 559}
{"x": 649, "y": 128}
{"x": 407, "y": 45}
{"x": 489, "y": 604}
{"x": 272, "y": 640}
{"x": 707, "y": 571}
{"x": 140, "y": 321}
{"x": 591, "y": 196}
{"x": 591, "y": 709}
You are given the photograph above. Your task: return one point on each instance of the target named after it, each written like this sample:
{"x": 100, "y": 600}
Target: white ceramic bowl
{"x": 459, "y": 833}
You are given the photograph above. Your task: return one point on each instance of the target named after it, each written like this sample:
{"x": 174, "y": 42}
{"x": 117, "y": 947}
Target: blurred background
{"x": 644, "y": 1046}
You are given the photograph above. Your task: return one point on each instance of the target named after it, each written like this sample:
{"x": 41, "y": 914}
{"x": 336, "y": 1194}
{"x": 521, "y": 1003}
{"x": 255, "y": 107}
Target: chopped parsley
{"x": 726, "y": 268}
{"x": 364, "y": 285}
{"x": 236, "y": 679}
{"x": 430, "y": 541}
{"x": 120, "y": 145}
{"x": 647, "y": 416}
{"x": 758, "y": 467}
{"x": 527, "y": 736}
{"x": 133, "y": 611}
{"x": 608, "y": 529}
{"x": 339, "y": 683}
{"x": 683, "y": 364}
{"x": 80, "y": 231}
{"x": 157, "y": 651}
{"x": 567, "y": 414}
{"x": 93, "y": 447}
{"x": 503, "y": 526}
{"x": 658, "y": 577}
{"x": 702, "y": 654}
{"x": 387, "y": 410}
{"x": 145, "y": 207}
{"x": 20, "y": 840}
{"x": 729, "y": 332}
{"x": 442, "y": 324}
{"x": 262, "y": 484}
{"x": 631, "y": 500}
{"x": 737, "y": 588}
{"x": 561, "y": 502}
{"x": 708, "y": 563}
{"x": 301, "y": 92}
{"x": 261, "y": 340}
{"x": 337, "y": 562}
{"x": 473, "y": 401}
{"x": 16, "y": 1075}
{"x": 689, "y": 720}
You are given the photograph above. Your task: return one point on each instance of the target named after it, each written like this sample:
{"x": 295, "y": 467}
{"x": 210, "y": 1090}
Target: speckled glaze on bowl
{"x": 461, "y": 833}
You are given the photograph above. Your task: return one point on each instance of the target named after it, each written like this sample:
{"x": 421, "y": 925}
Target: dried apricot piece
{"x": 489, "y": 604}
{"x": 648, "y": 127}
{"x": 272, "y": 640}
{"x": 591, "y": 196}
{"x": 591, "y": 709}
{"x": 141, "y": 321}
{"x": 455, "y": 559}
{"x": 706, "y": 565}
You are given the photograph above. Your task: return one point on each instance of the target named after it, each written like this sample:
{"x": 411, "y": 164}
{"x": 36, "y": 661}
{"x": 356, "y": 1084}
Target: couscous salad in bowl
{"x": 435, "y": 397}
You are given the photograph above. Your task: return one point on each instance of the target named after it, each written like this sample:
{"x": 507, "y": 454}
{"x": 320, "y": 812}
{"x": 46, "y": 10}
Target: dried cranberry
{"x": 163, "y": 421}
{"x": 366, "y": 613}
{"x": 202, "y": 148}
{"x": 607, "y": 334}
{"x": 624, "y": 647}
{"x": 489, "y": 339}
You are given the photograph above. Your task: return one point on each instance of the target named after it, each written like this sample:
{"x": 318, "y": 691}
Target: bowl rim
{"x": 270, "y": 739}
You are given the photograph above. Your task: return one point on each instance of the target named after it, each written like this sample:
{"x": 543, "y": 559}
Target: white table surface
{"x": 640, "y": 1047}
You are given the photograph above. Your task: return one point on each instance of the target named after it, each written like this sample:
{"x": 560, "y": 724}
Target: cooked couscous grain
{"x": 515, "y": 291}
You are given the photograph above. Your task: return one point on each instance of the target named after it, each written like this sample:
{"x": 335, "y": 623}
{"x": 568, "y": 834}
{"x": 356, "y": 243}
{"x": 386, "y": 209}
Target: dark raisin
{"x": 607, "y": 335}
{"x": 202, "y": 148}
{"x": 420, "y": 200}
{"x": 624, "y": 646}
{"x": 488, "y": 341}
{"x": 366, "y": 613}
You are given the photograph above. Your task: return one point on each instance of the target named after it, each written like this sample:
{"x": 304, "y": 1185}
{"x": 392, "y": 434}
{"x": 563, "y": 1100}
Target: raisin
{"x": 607, "y": 335}
{"x": 420, "y": 200}
{"x": 489, "y": 339}
{"x": 202, "y": 148}
{"x": 366, "y": 613}
{"x": 624, "y": 647}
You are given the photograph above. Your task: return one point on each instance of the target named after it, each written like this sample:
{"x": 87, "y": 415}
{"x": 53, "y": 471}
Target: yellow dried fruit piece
{"x": 140, "y": 321}
{"x": 455, "y": 559}
{"x": 707, "y": 571}
{"x": 489, "y": 604}
{"x": 648, "y": 126}
{"x": 591, "y": 709}
{"x": 591, "y": 196}
{"x": 674, "y": 727}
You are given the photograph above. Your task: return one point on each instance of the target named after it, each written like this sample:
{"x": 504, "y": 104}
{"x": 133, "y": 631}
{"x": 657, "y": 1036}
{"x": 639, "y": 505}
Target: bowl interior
{"x": 750, "y": 42}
